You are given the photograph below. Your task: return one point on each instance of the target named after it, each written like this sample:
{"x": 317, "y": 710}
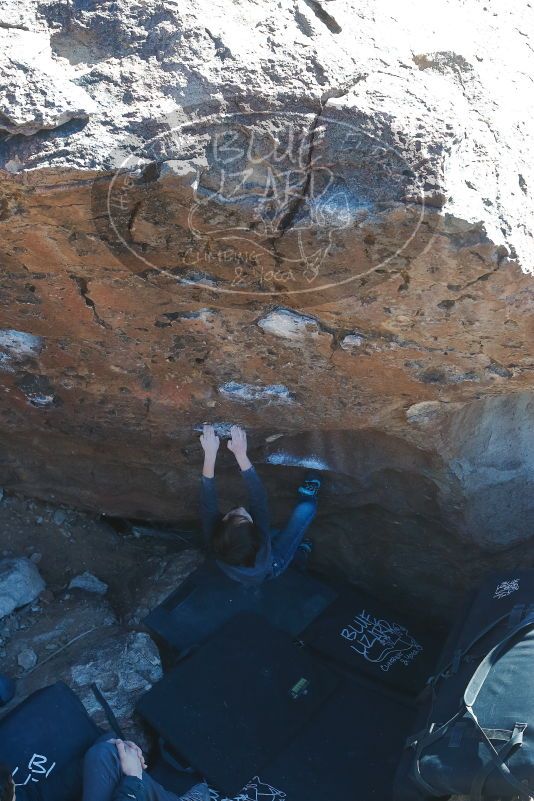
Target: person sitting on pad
{"x": 113, "y": 770}
{"x": 242, "y": 541}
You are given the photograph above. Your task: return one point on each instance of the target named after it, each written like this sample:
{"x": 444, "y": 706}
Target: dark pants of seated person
{"x": 7, "y": 689}
{"x": 286, "y": 541}
{"x": 102, "y": 775}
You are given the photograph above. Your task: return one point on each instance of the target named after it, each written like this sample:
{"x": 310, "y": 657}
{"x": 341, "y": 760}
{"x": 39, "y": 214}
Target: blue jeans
{"x": 285, "y": 542}
{"x": 102, "y": 775}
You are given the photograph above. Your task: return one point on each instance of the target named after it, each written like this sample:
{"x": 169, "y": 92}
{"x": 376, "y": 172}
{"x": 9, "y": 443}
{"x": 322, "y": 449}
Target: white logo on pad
{"x": 255, "y": 790}
{"x": 381, "y": 641}
{"x": 38, "y": 767}
{"x": 506, "y": 588}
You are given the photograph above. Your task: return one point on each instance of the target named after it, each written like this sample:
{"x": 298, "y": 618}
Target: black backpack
{"x": 476, "y": 727}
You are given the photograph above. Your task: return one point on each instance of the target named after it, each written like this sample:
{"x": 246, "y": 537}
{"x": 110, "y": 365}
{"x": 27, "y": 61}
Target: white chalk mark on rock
{"x": 252, "y": 392}
{"x": 312, "y": 462}
{"x": 352, "y": 341}
{"x": 290, "y": 325}
{"x": 17, "y": 347}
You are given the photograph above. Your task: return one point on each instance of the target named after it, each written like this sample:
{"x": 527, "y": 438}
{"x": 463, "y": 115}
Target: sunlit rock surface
{"x": 314, "y": 219}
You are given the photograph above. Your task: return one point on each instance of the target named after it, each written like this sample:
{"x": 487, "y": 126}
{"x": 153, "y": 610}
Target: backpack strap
{"x": 111, "y": 719}
{"x": 471, "y": 694}
{"x": 419, "y": 743}
{"x": 171, "y": 760}
{"x": 516, "y": 615}
{"x": 498, "y": 762}
{"x": 459, "y": 654}
{"x": 483, "y": 670}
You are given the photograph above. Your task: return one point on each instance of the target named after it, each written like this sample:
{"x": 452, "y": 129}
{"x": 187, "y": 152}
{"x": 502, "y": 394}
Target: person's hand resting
{"x": 131, "y": 758}
{"x": 238, "y": 445}
{"x": 210, "y": 443}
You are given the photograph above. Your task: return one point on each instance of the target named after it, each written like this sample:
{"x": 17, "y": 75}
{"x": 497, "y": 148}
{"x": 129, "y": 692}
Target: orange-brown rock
{"x": 193, "y": 231}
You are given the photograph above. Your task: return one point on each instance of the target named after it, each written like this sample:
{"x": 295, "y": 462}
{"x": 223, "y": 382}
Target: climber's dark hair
{"x": 235, "y": 542}
{"x": 7, "y": 788}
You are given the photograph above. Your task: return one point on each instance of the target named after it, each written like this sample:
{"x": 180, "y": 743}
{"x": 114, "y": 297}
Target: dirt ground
{"x": 68, "y": 629}
{"x": 65, "y": 542}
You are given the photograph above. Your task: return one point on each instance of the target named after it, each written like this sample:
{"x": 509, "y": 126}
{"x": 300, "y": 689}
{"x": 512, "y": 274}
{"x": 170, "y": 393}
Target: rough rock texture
{"x": 71, "y": 633}
{"x": 124, "y": 667}
{"x": 61, "y": 627}
{"x": 35, "y": 95}
{"x": 160, "y": 583}
{"x": 314, "y": 219}
{"x": 20, "y": 584}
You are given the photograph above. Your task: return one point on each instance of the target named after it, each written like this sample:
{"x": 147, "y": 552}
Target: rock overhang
{"x": 421, "y": 298}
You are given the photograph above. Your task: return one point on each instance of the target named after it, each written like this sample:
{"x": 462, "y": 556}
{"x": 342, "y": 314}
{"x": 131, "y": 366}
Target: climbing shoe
{"x": 310, "y": 486}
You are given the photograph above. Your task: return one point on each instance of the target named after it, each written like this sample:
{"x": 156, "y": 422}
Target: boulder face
{"x": 310, "y": 218}
{"x": 20, "y": 584}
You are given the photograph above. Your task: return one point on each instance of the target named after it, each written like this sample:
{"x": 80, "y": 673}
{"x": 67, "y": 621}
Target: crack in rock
{"x": 335, "y": 92}
{"x": 323, "y": 16}
{"x": 221, "y": 50}
{"x": 11, "y": 26}
{"x": 83, "y": 288}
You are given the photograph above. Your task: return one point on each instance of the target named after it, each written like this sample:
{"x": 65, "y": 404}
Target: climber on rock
{"x": 242, "y": 541}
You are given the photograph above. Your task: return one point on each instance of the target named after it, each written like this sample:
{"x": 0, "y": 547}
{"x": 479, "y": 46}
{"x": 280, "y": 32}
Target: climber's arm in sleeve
{"x": 209, "y": 505}
{"x": 257, "y": 497}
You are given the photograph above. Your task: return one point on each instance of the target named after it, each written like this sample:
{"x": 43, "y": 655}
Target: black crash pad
{"x": 208, "y": 599}
{"x": 47, "y": 735}
{"x": 349, "y": 750}
{"x": 362, "y": 635}
{"x": 233, "y": 705}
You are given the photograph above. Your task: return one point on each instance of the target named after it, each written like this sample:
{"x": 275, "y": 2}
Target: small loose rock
{"x": 89, "y": 583}
{"x": 59, "y": 517}
{"x": 20, "y": 584}
{"x": 27, "y": 659}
